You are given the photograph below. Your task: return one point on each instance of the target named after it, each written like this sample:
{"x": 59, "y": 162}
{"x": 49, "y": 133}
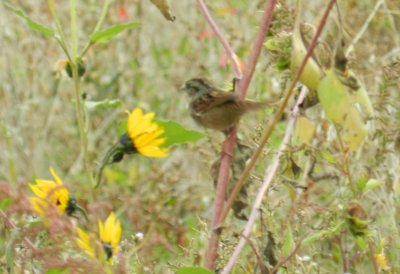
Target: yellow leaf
{"x": 312, "y": 73}
{"x": 304, "y": 130}
{"x": 345, "y": 107}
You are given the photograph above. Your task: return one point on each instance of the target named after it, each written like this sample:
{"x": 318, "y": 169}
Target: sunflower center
{"x": 71, "y": 206}
{"x": 108, "y": 249}
{"x": 128, "y": 147}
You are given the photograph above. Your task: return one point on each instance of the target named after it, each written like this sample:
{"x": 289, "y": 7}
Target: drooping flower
{"x": 51, "y": 193}
{"x": 143, "y": 135}
{"x": 109, "y": 236}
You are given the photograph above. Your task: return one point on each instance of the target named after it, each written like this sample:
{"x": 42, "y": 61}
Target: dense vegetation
{"x": 69, "y": 72}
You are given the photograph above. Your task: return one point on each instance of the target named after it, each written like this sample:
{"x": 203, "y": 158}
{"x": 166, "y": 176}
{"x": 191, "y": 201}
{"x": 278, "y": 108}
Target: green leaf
{"x": 339, "y": 101}
{"x": 34, "y": 25}
{"x": 173, "y": 132}
{"x": 288, "y": 244}
{"x": 107, "y": 34}
{"x": 176, "y": 134}
{"x": 315, "y": 237}
{"x": 361, "y": 184}
{"x": 91, "y": 105}
{"x": 193, "y": 270}
{"x": 122, "y": 127}
{"x": 328, "y": 157}
{"x": 373, "y": 183}
{"x": 312, "y": 73}
{"x": 361, "y": 243}
{"x": 5, "y": 203}
{"x": 57, "y": 271}
{"x": 319, "y": 235}
{"x": 276, "y": 137}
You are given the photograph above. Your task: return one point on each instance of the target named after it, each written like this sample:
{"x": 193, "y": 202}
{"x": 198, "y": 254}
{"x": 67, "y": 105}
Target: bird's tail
{"x": 253, "y": 105}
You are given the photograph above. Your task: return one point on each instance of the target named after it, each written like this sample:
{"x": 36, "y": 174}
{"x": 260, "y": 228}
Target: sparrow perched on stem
{"x": 214, "y": 108}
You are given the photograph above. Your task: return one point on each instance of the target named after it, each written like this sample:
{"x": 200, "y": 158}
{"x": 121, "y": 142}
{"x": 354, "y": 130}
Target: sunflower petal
{"x": 145, "y": 134}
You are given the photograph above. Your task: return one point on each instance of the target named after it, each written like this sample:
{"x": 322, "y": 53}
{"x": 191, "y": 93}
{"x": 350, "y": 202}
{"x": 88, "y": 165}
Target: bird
{"x": 214, "y": 108}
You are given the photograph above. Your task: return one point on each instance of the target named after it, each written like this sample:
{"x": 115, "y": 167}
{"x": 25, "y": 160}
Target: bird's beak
{"x": 183, "y": 87}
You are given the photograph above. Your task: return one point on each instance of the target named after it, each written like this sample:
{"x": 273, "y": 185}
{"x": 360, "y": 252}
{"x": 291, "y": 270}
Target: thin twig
{"x": 364, "y": 27}
{"x": 269, "y": 175}
{"x": 256, "y": 50}
{"x": 97, "y": 27}
{"x": 74, "y": 30}
{"x": 343, "y": 254}
{"x": 373, "y": 259}
{"x": 277, "y": 116}
{"x": 392, "y": 23}
{"x": 229, "y": 51}
{"x": 61, "y": 39}
{"x": 285, "y": 260}
{"x": 260, "y": 263}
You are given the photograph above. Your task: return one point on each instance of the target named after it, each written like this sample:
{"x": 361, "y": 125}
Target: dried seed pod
{"x": 81, "y": 68}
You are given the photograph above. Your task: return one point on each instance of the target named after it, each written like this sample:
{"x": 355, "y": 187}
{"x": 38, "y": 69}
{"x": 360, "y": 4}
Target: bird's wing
{"x": 213, "y": 100}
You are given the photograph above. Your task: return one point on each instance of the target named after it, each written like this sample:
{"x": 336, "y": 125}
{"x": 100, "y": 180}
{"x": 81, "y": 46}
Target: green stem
{"x": 81, "y": 120}
{"x": 11, "y": 162}
{"x": 80, "y": 114}
{"x": 61, "y": 39}
{"x": 102, "y": 16}
{"x": 87, "y": 47}
{"x": 98, "y": 25}
{"x": 63, "y": 46}
{"x": 74, "y": 30}
{"x": 106, "y": 161}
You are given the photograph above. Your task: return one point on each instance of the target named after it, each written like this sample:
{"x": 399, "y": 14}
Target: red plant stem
{"x": 227, "y": 151}
{"x": 222, "y": 185}
{"x": 11, "y": 225}
{"x": 229, "y": 51}
{"x": 255, "y": 53}
{"x": 229, "y": 143}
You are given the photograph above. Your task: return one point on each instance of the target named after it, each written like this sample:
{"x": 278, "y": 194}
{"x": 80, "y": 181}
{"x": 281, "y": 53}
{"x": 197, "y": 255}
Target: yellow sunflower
{"x": 84, "y": 242}
{"x": 109, "y": 235}
{"x": 144, "y": 134}
{"x": 50, "y": 193}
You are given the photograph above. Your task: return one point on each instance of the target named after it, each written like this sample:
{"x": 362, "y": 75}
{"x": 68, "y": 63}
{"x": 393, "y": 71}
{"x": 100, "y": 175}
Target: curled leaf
{"x": 106, "y": 103}
{"x": 280, "y": 46}
{"x": 357, "y": 219}
{"x": 312, "y": 72}
{"x": 340, "y": 103}
{"x": 373, "y": 183}
{"x": 163, "y": 7}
